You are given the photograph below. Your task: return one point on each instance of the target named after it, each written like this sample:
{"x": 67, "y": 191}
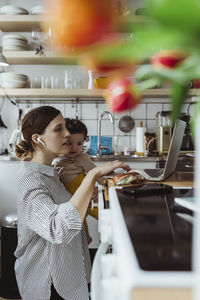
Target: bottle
{"x": 68, "y": 80}
{"x": 127, "y": 151}
{"x": 140, "y": 144}
{"x": 91, "y": 80}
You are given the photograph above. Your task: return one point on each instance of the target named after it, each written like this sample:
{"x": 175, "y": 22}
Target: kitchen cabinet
{"x": 10, "y": 173}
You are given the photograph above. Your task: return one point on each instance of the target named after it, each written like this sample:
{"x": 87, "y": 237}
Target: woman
{"x": 52, "y": 254}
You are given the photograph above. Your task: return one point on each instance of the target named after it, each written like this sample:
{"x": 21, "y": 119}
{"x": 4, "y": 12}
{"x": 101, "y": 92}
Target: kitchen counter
{"x": 127, "y": 158}
{"x": 155, "y": 246}
{"x": 105, "y": 158}
{"x": 110, "y": 157}
{"x": 161, "y": 293}
{"x": 180, "y": 179}
{"x": 8, "y": 157}
{"x": 177, "y": 179}
{"x": 135, "y": 277}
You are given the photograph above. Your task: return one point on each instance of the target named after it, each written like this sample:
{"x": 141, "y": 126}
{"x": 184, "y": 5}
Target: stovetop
{"x": 161, "y": 239}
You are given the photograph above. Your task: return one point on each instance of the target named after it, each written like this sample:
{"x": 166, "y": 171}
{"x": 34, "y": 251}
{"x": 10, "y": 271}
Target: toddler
{"x": 72, "y": 168}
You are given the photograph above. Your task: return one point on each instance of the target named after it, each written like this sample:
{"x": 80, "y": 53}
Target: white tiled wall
{"x": 90, "y": 112}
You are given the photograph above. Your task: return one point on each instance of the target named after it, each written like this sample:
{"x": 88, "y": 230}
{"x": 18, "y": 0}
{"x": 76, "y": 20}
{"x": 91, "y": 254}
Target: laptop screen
{"x": 174, "y": 148}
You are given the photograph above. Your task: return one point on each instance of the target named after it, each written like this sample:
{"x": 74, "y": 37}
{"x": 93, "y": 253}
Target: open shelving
{"x": 80, "y": 93}
{"x": 25, "y": 23}
{"x": 29, "y": 57}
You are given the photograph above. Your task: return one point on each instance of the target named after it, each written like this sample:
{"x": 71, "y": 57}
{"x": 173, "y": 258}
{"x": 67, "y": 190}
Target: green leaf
{"x": 148, "y": 84}
{"x": 182, "y": 14}
{"x": 146, "y": 41}
{"x": 195, "y": 116}
{"x": 174, "y": 75}
{"x": 178, "y": 94}
{"x": 145, "y": 72}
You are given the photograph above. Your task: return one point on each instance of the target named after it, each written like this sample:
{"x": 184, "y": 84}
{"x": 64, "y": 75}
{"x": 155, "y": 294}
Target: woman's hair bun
{"x": 23, "y": 149}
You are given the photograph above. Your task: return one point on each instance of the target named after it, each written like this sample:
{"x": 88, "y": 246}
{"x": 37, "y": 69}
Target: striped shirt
{"x": 52, "y": 245}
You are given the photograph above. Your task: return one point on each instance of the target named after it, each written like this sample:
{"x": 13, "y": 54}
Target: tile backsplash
{"x": 90, "y": 112}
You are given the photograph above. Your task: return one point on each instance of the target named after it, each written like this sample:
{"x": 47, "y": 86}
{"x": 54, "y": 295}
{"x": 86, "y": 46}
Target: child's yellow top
{"x": 74, "y": 184}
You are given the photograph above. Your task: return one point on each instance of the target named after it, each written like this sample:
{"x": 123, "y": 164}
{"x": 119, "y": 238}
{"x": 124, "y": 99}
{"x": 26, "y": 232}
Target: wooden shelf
{"x": 26, "y": 23}
{"x": 29, "y": 57}
{"x": 21, "y": 23}
{"x": 52, "y": 93}
{"x": 80, "y": 93}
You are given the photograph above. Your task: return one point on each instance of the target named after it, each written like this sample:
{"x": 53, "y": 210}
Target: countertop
{"x": 177, "y": 179}
{"x": 181, "y": 179}
{"x": 180, "y": 286}
{"x": 110, "y": 157}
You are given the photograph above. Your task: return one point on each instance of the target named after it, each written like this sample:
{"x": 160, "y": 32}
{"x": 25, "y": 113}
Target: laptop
{"x": 160, "y": 174}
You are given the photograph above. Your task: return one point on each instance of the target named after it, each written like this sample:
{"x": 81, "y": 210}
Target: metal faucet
{"x": 99, "y": 146}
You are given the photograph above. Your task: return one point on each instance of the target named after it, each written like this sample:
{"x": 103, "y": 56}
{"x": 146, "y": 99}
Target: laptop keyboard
{"x": 154, "y": 172}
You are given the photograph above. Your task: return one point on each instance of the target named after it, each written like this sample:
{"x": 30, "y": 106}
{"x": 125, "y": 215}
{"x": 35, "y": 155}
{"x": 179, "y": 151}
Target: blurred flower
{"x": 81, "y": 23}
{"x": 167, "y": 59}
{"x": 121, "y": 95}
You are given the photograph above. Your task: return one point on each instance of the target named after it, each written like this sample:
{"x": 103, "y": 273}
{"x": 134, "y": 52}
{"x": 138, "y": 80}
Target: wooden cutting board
{"x": 110, "y": 183}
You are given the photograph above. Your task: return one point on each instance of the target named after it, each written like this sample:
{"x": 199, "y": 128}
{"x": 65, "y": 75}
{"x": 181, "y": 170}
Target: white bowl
{"x": 14, "y": 48}
{"x": 38, "y": 10}
{"x": 13, "y": 76}
{"x": 15, "y": 37}
{"x": 14, "y": 84}
{"x": 13, "y": 10}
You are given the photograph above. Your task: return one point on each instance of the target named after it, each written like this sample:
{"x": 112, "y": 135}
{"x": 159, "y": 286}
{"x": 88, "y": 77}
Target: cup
{"x": 35, "y": 82}
{"x": 54, "y": 82}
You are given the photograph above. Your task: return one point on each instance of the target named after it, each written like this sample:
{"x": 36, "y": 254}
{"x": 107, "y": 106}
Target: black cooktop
{"x": 161, "y": 239}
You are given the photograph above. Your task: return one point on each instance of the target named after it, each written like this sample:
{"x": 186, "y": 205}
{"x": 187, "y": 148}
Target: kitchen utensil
{"x": 126, "y": 124}
{"x": 15, "y": 138}
{"x": 3, "y": 128}
{"x": 163, "y": 124}
{"x": 187, "y": 143}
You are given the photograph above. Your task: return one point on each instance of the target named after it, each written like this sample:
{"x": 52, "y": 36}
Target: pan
{"x": 126, "y": 124}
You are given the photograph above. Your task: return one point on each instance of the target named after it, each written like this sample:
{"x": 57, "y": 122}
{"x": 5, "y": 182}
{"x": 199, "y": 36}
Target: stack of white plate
{"x": 38, "y": 10}
{"x": 14, "y": 80}
{"x": 13, "y": 10}
{"x": 14, "y": 42}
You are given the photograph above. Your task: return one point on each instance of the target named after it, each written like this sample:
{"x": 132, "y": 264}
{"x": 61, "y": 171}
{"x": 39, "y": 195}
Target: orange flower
{"x": 78, "y": 23}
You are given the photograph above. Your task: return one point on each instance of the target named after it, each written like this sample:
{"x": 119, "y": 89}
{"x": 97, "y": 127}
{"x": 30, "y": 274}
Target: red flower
{"x": 121, "y": 95}
{"x": 167, "y": 59}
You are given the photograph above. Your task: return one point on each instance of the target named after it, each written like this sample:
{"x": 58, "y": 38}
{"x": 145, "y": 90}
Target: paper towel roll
{"x": 140, "y": 145}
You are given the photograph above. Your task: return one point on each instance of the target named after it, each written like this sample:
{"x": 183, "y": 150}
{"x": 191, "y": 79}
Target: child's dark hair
{"x": 76, "y": 126}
